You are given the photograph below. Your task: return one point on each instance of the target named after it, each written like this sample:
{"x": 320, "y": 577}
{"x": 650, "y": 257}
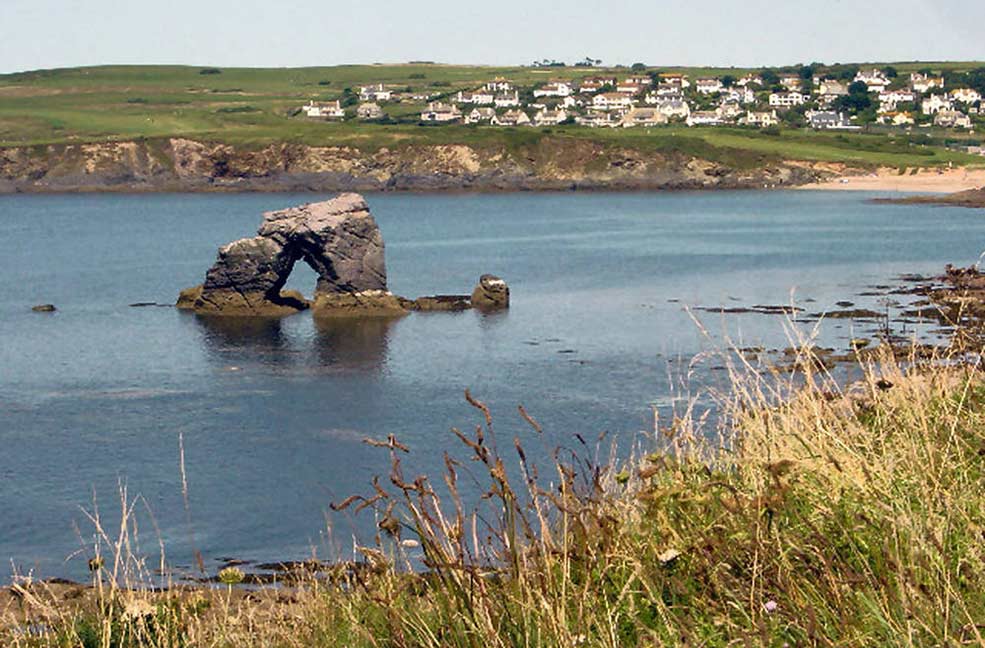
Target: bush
{"x": 210, "y": 71}
{"x": 238, "y": 109}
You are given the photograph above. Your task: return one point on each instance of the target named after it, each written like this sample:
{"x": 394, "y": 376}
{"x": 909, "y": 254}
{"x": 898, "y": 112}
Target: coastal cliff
{"x": 178, "y": 164}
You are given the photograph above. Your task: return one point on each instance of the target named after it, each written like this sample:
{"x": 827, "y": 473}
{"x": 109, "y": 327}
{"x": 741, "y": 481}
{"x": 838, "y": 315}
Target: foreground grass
{"x": 818, "y": 517}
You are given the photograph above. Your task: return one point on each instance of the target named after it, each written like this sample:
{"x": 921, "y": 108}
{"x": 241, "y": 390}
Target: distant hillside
{"x": 46, "y": 115}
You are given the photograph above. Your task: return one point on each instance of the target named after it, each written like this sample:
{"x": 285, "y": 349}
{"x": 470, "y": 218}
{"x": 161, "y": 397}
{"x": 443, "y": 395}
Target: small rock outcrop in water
{"x": 492, "y": 293}
{"x": 339, "y": 239}
{"x": 44, "y": 308}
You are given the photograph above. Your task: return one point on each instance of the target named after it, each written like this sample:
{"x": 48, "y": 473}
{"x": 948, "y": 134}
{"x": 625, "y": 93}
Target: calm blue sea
{"x": 273, "y": 413}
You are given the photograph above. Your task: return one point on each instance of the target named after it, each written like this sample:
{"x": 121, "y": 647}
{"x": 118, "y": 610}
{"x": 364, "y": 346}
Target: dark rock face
{"x": 492, "y": 293}
{"x": 339, "y": 239}
{"x": 44, "y": 308}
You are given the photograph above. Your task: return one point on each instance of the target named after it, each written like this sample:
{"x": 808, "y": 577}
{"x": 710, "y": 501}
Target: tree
{"x": 848, "y": 72}
{"x": 858, "y": 87}
{"x": 769, "y": 77}
{"x": 728, "y": 80}
{"x": 638, "y": 67}
{"x": 890, "y": 72}
{"x": 857, "y": 100}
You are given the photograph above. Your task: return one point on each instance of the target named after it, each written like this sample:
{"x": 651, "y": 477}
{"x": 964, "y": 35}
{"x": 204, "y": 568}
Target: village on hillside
{"x": 851, "y": 99}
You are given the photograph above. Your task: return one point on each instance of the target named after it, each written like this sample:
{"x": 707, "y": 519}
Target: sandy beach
{"x": 923, "y": 180}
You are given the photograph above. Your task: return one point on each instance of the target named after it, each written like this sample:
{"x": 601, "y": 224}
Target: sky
{"x": 36, "y": 34}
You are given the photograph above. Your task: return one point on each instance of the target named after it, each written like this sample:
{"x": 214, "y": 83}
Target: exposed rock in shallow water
{"x": 442, "y": 303}
{"x": 338, "y": 238}
{"x": 492, "y": 293}
{"x": 44, "y": 308}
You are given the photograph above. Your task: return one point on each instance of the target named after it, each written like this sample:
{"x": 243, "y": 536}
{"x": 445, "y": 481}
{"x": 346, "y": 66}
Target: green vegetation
{"x": 815, "y": 517}
{"x": 256, "y": 107}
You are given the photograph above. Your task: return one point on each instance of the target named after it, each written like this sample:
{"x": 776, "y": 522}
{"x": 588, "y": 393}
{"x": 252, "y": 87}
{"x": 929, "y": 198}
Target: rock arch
{"x": 339, "y": 239}
{"x": 342, "y": 243}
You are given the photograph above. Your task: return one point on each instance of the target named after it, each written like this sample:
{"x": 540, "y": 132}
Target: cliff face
{"x": 552, "y": 164}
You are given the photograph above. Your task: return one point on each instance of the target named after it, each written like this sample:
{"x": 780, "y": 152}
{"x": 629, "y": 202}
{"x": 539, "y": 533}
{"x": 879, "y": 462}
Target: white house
{"x": 875, "y": 79}
{"x": 437, "y": 112}
{"x": 966, "y": 95}
{"x": 832, "y": 88}
{"x": 760, "y": 119}
{"x": 897, "y": 119}
{"x": 704, "y": 118}
{"x": 479, "y": 97}
{"x": 741, "y": 94}
{"x": 952, "y": 119}
{"x": 890, "y": 99}
{"x": 499, "y": 84}
{"x": 376, "y": 92}
{"x": 629, "y": 87}
{"x": 749, "y": 79}
{"x": 708, "y": 85}
{"x": 645, "y": 117}
{"x": 674, "y": 108}
{"x": 792, "y": 82}
{"x": 786, "y": 99}
{"x": 507, "y": 100}
{"x": 557, "y": 89}
{"x": 679, "y": 80}
{"x": 936, "y": 103}
{"x": 924, "y": 82}
{"x": 599, "y": 119}
{"x": 641, "y": 80}
{"x": 370, "y": 111}
{"x": 511, "y": 118}
{"x": 729, "y": 110}
{"x": 594, "y": 84}
{"x": 829, "y": 120}
{"x": 612, "y": 100}
{"x": 323, "y": 110}
{"x": 480, "y": 115}
{"x": 547, "y": 117}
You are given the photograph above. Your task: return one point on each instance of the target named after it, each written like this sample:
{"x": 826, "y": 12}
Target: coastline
{"x": 915, "y": 180}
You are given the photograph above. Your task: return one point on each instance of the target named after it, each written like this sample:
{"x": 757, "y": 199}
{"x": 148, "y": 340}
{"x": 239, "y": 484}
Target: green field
{"x": 256, "y": 107}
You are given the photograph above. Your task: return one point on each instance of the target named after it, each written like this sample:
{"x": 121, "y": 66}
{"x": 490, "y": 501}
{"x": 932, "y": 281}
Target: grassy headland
{"x": 818, "y": 517}
{"x": 257, "y": 107}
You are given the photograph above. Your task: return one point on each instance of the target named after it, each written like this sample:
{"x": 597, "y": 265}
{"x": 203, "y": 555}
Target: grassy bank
{"x": 814, "y": 517}
{"x": 256, "y": 107}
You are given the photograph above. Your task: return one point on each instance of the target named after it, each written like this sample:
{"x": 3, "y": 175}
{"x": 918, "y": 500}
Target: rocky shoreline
{"x": 973, "y": 198}
{"x": 552, "y": 164}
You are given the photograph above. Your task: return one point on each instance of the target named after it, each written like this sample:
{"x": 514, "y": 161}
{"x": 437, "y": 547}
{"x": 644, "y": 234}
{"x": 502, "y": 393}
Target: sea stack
{"x": 338, "y": 238}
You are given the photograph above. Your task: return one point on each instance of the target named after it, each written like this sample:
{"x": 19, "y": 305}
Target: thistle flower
{"x": 231, "y": 576}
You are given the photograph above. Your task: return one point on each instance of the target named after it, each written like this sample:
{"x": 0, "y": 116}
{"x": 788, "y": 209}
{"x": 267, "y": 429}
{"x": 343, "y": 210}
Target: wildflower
{"x": 231, "y": 576}
{"x": 668, "y": 555}
{"x": 770, "y": 606}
